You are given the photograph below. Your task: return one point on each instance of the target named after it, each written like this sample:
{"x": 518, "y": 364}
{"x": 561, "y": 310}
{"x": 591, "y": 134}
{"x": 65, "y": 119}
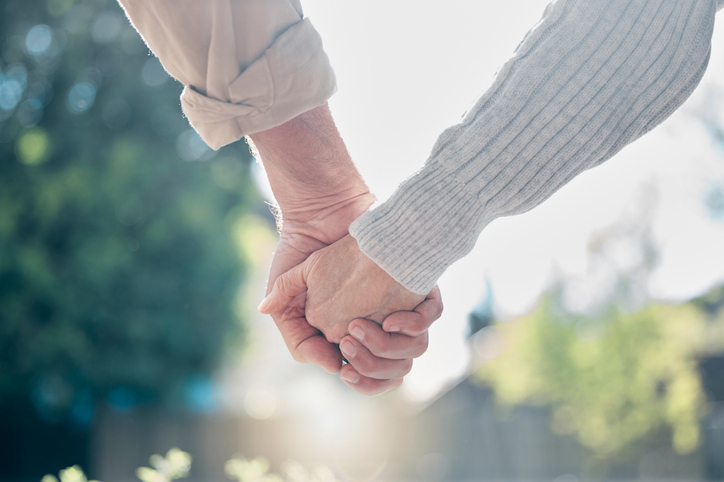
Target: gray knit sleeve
{"x": 590, "y": 78}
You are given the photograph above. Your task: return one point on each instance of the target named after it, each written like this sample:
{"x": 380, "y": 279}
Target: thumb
{"x": 286, "y": 287}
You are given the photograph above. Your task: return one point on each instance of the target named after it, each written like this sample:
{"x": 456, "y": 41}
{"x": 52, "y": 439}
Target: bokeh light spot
{"x": 38, "y": 39}
{"x": 259, "y": 404}
{"x": 116, "y": 113}
{"x": 191, "y": 147}
{"x": 133, "y": 245}
{"x": 33, "y": 147}
{"x": 153, "y": 73}
{"x": 18, "y": 73}
{"x": 109, "y": 61}
{"x": 30, "y": 112}
{"x": 106, "y": 27}
{"x": 12, "y": 85}
{"x": 81, "y": 97}
{"x": 90, "y": 75}
{"x": 10, "y": 94}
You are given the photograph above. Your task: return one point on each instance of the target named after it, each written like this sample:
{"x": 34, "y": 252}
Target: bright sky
{"x": 408, "y": 69}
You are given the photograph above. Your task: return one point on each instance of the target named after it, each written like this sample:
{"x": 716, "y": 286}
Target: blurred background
{"x": 581, "y": 341}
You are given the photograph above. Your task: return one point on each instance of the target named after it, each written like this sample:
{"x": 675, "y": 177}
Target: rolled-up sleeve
{"x": 247, "y": 65}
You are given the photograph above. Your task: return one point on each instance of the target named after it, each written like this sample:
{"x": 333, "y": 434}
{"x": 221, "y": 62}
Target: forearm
{"x": 589, "y": 79}
{"x": 309, "y": 168}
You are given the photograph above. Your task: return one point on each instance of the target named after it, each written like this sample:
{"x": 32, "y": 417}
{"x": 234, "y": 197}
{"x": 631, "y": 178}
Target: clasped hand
{"x": 338, "y": 296}
{"x": 328, "y": 298}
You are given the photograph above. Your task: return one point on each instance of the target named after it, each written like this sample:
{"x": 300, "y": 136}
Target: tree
{"x": 118, "y": 274}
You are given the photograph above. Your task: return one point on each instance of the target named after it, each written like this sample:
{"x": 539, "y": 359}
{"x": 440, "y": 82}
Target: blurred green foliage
{"x": 175, "y": 465}
{"x": 611, "y": 378}
{"x": 255, "y": 470}
{"x": 71, "y": 474}
{"x": 118, "y": 267}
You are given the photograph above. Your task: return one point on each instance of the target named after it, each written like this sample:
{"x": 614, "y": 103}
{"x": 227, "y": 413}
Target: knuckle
{"x": 280, "y": 285}
{"x": 406, "y": 366}
{"x": 422, "y": 345}
{"x": 417, "y": 327}
{"x": 382, "y": 348}
{"x": 363, "y": 365}
{"x": 298, "y": 357}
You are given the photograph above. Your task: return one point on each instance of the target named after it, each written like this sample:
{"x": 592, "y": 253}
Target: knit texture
{"x": 590, "y": 78}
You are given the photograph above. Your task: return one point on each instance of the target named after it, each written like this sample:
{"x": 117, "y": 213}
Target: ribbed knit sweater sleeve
{"x": 591, "y": 77}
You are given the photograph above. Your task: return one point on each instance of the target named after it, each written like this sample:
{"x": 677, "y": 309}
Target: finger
{"x": 286, "y": 287}
{"x": 414, "y": 323}
{"x": 306, "y": 343}
{"x": 371, "y": 366}
{"x": 318, "y": 351}
{"x": 293, "y": 249}
{"x": 387, "y": 345}
{"x": 365, "y": 385}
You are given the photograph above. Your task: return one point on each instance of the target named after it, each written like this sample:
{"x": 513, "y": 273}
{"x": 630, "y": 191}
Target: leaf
{"x": 147, "y": 474}
{"x": 72, "y": 474}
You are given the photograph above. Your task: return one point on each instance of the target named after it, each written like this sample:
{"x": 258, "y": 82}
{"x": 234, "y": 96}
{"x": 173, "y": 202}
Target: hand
{"x": 379, "y": 356}
{"x": 320, "y": 193}
{"x": 382, "y": 356}
{"x": 340, "y": 283}
{"x": 300, "y": 237}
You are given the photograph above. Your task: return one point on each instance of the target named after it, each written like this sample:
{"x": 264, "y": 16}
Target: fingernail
{"x": 358, "y": 333}
{"x": 264, "y": 304}
{"x": 350, "y": 376}
{"x": 394, "y": 329}
{"x": 348, "y": 349}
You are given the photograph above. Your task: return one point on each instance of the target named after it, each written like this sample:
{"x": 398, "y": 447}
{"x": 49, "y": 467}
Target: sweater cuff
{"x": 293, "y": 76}
{"x": 402, "y": 235}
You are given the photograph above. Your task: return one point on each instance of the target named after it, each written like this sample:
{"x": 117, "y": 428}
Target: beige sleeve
{"x": 247, "y": 65}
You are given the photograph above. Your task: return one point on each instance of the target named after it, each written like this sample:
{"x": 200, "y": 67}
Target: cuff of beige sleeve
{"x": 293, "y": 76}
{"x": 430, "y": 222}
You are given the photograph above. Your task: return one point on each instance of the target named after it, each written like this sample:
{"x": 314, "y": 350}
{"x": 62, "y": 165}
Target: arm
{"x": 247, "y": 66}
{"x": 257, "y": 68}
{"x": 320, "y": 193}
{"x": 591, "y": 78}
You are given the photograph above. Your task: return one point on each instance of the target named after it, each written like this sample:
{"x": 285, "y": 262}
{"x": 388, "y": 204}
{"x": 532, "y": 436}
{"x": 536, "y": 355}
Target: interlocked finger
{"x": 365, "y": 385}
{"x": 382, "y": 344}
{"x": 371, "y": 366}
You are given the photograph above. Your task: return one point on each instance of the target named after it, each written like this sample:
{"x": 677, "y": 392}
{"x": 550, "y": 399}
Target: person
{"x": 590, "y": 78}
{"x": 256, "y": 68}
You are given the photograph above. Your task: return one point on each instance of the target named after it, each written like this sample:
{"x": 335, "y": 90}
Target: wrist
{"x": 314, "y": 180}
{"x": 329, "y": 223}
